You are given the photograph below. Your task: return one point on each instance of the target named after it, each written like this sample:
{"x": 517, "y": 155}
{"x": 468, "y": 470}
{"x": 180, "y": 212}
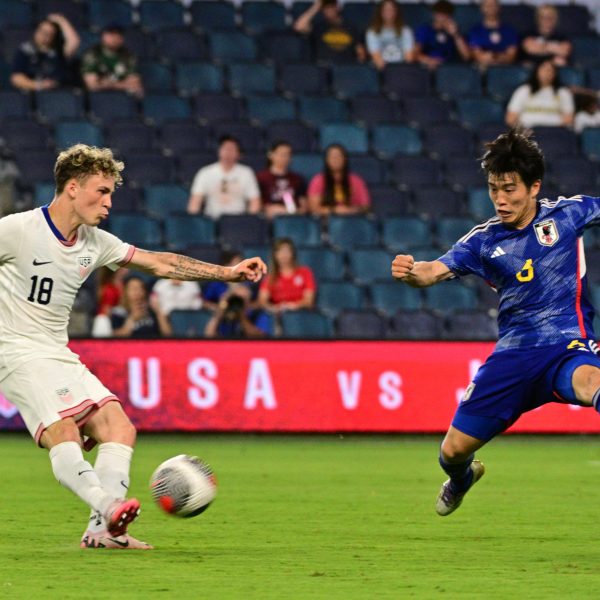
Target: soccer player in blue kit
{"x": 531, "y": 252}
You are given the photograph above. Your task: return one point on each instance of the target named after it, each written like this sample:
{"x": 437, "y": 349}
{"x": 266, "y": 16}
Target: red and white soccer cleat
{"x": 103, "y": 539}
{"x": 120, "y": 514}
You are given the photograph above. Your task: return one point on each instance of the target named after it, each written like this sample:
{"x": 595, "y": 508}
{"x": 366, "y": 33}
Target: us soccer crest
{"x": 546, "y": 232}
{"x": 85, "y": 262}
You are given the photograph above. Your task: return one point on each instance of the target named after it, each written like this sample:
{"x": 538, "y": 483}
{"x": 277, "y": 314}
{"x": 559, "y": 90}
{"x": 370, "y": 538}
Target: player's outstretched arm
{"x": 176, "y": 266}
{"x": 419, "y": 274}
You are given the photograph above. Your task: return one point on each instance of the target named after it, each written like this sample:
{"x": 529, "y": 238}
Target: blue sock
{"x": 460, "y": 474}
{"x": 596, "y": 401}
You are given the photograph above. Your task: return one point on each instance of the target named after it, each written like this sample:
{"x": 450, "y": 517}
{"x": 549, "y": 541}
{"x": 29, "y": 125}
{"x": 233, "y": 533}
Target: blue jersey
{"x": 539, "y": 272}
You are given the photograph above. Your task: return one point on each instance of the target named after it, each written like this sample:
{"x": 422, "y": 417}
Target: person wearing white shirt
{"x": 173, "y": 294}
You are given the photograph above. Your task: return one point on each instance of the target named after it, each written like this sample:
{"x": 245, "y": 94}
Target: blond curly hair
{"x": 81, "y": 161}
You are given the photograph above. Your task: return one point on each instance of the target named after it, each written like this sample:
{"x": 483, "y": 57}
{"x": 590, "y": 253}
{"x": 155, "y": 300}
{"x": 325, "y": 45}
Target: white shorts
{"x": 47, "y": 390}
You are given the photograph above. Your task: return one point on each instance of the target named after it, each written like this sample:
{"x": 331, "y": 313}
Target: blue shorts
{"x": 514, "y": 381}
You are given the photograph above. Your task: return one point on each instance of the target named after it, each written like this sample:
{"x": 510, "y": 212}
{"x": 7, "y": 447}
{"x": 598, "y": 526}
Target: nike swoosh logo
{"x": 122, "y": 544}
{"x": 124, "y": 485}
{"x": 36, "y": 263}
{"x": 87, "y": 471}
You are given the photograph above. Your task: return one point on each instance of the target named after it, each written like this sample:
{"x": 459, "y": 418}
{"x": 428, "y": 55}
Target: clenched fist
{"x": 402, "y": 265}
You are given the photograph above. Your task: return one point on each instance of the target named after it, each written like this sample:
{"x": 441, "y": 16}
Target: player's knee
{"x": 586, "y": 382}
{"x": 65, "y": 430}
{"x": 454, "y": 450}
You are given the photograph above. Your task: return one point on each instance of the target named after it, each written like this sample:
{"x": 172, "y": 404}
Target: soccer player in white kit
{"x": 45, "y": 256}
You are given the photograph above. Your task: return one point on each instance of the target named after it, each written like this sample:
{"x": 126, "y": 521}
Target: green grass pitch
{"x": 319, "y": 517}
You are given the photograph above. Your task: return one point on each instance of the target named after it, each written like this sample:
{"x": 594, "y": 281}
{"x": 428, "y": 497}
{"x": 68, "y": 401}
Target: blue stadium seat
{"x": 23, "y": 134}
{"x": 590, "y": 142}
{"x": 250, "y": 137}
{"x": 264, "y": 109}
{"x": 573, "y": 20}
{"x": 481, "y": 207}
{"x": 424, "y": 111}
{"x": 105, "y": 12}
{"x": 387, "y": 201}
{"x": 124, "y": 136}
{"x": 436, "y": 201}
{"x": 318, "y": 110}
{"x": 401, "y": 234}
{"x": 427, "y": 253}
{"x": 190, "y": 323}
{"x": 593, "y": 78}
{"x": 369, "y": 264}
{"x": 262, "y": 16}
{"x": 371, "y": 169}
{"x": 557, "y": 141}
{"x": 137, "y": 230}
{"x": 180, "y": 137}
{"x": 74, "y": 11}
{"x": 571, "y": 76}
{"x": 467, "y": 16}
{"x": 217, "y": 107}
{"x": 140, "y": 43}
{"x": 361, "y": 324}
{"x": 305, "y": 324}
{"x": 160, "y": 14}
{"x": 463, "y": 173}
{"x": 391, "y": 296}
{"x": 14, "y": 105}
{"x": 350, "y": 80}
{"x": 451, "y": 229}
{"x": 371, "y": 110}
{"x": 410, "y": 172}
{"x": 12, "y": 38}
{"x": 457, "y": 81}
{"x": 179, "y": 44}
{"x": 574, "y": 175}
{"x": 416, "y": 325}
{"x": 358, "y": 14}
{"x": 110, "y": 106}
{"x": 593, "y": 266}
{"x": 56, "y": 105}
{"x": 389, "y": 140}
{"x": 285, "y": 47}
{"x": 182, "y": 231}
{"x": 325, "y": 263}
{"x": 307, "y": 164}
{"x": 471, "y": 325}
{"x": 243, "y": 230}
{"x": 148, "y": 166}
{"x": 157, "y": 77}
{"x": 15, "y": 13}
{"x": 474, "y": 112}
{"x": 487, "y": 133}
{"x": 303, "y": 79}
{"x": 232, "y": 46}
{"x": 301, "y": 229}
{"x": 333, "y": 296}
{"x": 353, "y": 137}
{"x": 261, "y": 250}
{"x": 450, "y": 296}
{"x": 43, "y": 192}
{"x": 158, "y": 108}
{"x": 414, "y": 14}
{"x": 349, "y": 231}
{"x": 189, "y": 164}
{"x": 301, "y": 137}
{"x": 164, "y": 199}
{"x": 402, "y": 80}
{"x": 446, "y": 140}
{"x": 502, "y": 81}
{"x": 586, "y": 51}
{"x": 36, "y": 165}
{"x": 68, "y": 133}
{"x": 212, "y": 15}
{"x": 520, "y": 17}
{"x": 548, "y": 190}
{"x": 251, "y": 79}
{"x": 127, "y": 199}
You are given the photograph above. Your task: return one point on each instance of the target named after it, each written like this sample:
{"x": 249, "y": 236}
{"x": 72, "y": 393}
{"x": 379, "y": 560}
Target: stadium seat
{"x": 180, "y": 137}
{"x": 467, "y": 16}
{"x": 463, "y": 173}
{"x": 305, "y": 324}
{"x": 261, "y": 250}
{"x": 137, "y": 230}
{"x": 369, "y": 264}
{"x": 325, "y": 263}
{"x": 211, "y": 253}
{"x": 348, "y": 231}
{"x": 371, "y": 169}
{"x": 190, "y": 163}
{"x": 14, "y": 105}
{"x": 236, "y": 231}
{"x": 23, "y": 134}
{"x": 416, "y": 325}
{"x": 574, "y": 175}
{"x": 140, "y": 43}
{"x": 358, "y": 14}
{"x": 162, "y": 200}
{"x": 210, "y": 15}
{"x": 557, "y": 141}
{"x": 333, "y": 296}
{"x": 12, "y": 38}
{"x": 249, "y": 136}
{"x": 410, "y": 172}
{"x": 470, "y": 325}
{"x": 593, "y": 266}
{"x": 124, "y": 136}
{"x": 389, "y": 140}
{"x": 414, "y": 14}
{"x": 209, "y": 108}
{"x": 68, "y": 133}
{"x": 285, "y": 47}
{"x": 251, "y": 79}
{"x": 43, "y": 192}
{"x": 56, "y": 105}
{"x": 301, "y": 229}
{"x": 179, "y": 44}
{"x": 487, "y": 133}
{"x": 157, "y": 77}
{"x": 387, "y": 201}
{"x": 157, "y": 108}
{"x": 105, "y": 12}
{"x": 481, "y": 207}
{"x": 160, "y": 14}
{"x": 126, "y": 200}
{"x": 318, "y": 110}
{"x": 401, "y": 234}
{"x": 259, "y": 17}
{"x": 427, "y": 253}
{"x": 301, "y": 137}
{"x": 502, "y": 81}
{"x": 264, "y": 109}
{"x": 593, "y": 78}
{"x": 586, "y": 51}
{"x": 571, "y": 76}
{"x": 307, "y": 164}
{"x": 353, "y": 137}
{"x": 446, "y": 140}
{"x": 73, "y": 10}
{"x": 371, "y": 110}
{"x": 451, "y": 229}
{"x": 474, "y": 112}
{"x": 182, "y": 231}
{"x": 590, "y": 142}
{"x": 15, "y": 13}
{"x": 190, "y": 323}
{"x": 457, "y": 81}
{"x": 303, "y": 79}
{"x": 361, "y": 324}
{"x": 424, "y": 111}
{"x": 391, "y": 296}
{"x": 436, "y": 201}
{"x": 37, "y": 164}
{"x": 573, "y": 20}
{"x": 232, "y": 47}
{"x": 403, "y": 80}
{"x": 147, "y": 166}
{"x": 350, "y": 80}
{"x": 450, "y": 296}
{"x": 520, "y": 17}
{"x": 110, "y": 106}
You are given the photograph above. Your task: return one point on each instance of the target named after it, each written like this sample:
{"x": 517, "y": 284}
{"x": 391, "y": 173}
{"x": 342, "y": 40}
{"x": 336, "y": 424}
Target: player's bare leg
{"x": 116, "y": 435}
{"x": 586, "y": 385}
{"x": 456, "y": 458}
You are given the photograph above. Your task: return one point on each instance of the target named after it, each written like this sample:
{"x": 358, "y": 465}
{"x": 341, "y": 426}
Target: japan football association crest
{"x": 85, "y": 262}
{"x": 546, "y": 232}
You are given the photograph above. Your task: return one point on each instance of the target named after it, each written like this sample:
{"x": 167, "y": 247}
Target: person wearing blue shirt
{"x": 493, "y": 42}
{"x": 531, "y": 252}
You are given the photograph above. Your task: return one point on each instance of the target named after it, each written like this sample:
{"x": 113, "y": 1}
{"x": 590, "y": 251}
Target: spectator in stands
{"x": 440, "y": 41}
{"x": 137, "y": 317}
{"x": 42, "y": 63}
{"x": 108, "y": 296}
{"x": 588, "y": 113}
{"x": 225, "y": 187}
{"x": 282, "y": 191}
{"x": 213, "y": 291}
{"x": 288, "y": 286}
{"x": 541, "y": 101}
{"x": 234, "y": 319}
{"x": 545, "y": 43}
{"x": 493, "y": 42}
{"x": 110, "y": 66}
{"x": 333, "y": 39}
{"x": 173, "y": 294}
{"x": 337, "y": 190}
{"x": 389, "y": 40}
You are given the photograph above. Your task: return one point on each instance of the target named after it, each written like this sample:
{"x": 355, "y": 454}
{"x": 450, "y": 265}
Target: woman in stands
{"x": 389, "y": 40}
{"x": 336, "y": 190}
{"x": 542, "y": 101}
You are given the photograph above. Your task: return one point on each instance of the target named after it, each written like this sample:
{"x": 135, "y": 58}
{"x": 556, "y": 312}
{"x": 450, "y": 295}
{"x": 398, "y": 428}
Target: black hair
{"x": 58, "y": 42}
{"x": 230, "y": 138}
{"x": 329, "y": 193}
{"x": 534, "y": 83}
{"x": 514, "y": 152}
{"x": 443, "y": 6}
{"x": 276, "y": 144}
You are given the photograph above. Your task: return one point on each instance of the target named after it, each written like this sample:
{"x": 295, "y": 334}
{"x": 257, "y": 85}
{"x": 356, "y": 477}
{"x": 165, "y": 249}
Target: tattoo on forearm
{"x": 190, "y": 269}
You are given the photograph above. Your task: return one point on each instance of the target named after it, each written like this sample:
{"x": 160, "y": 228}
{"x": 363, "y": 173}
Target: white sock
{"x": 77, "y": 475}
{"x": 112, "y": 467}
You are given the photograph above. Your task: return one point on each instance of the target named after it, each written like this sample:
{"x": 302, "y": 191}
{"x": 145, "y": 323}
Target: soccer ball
{"x": 183, "y": 486}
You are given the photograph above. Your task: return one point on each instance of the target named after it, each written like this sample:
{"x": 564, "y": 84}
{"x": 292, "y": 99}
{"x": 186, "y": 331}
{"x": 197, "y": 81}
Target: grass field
{"x": 319, "y": 517}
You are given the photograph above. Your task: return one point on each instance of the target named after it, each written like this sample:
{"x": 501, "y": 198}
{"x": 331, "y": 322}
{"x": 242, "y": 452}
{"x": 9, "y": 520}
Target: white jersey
{"x": 40, "y": 276}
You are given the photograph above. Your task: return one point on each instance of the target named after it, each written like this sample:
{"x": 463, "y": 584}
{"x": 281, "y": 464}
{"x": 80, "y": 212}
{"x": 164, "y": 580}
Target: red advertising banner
{"x": 294, "y": 386}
